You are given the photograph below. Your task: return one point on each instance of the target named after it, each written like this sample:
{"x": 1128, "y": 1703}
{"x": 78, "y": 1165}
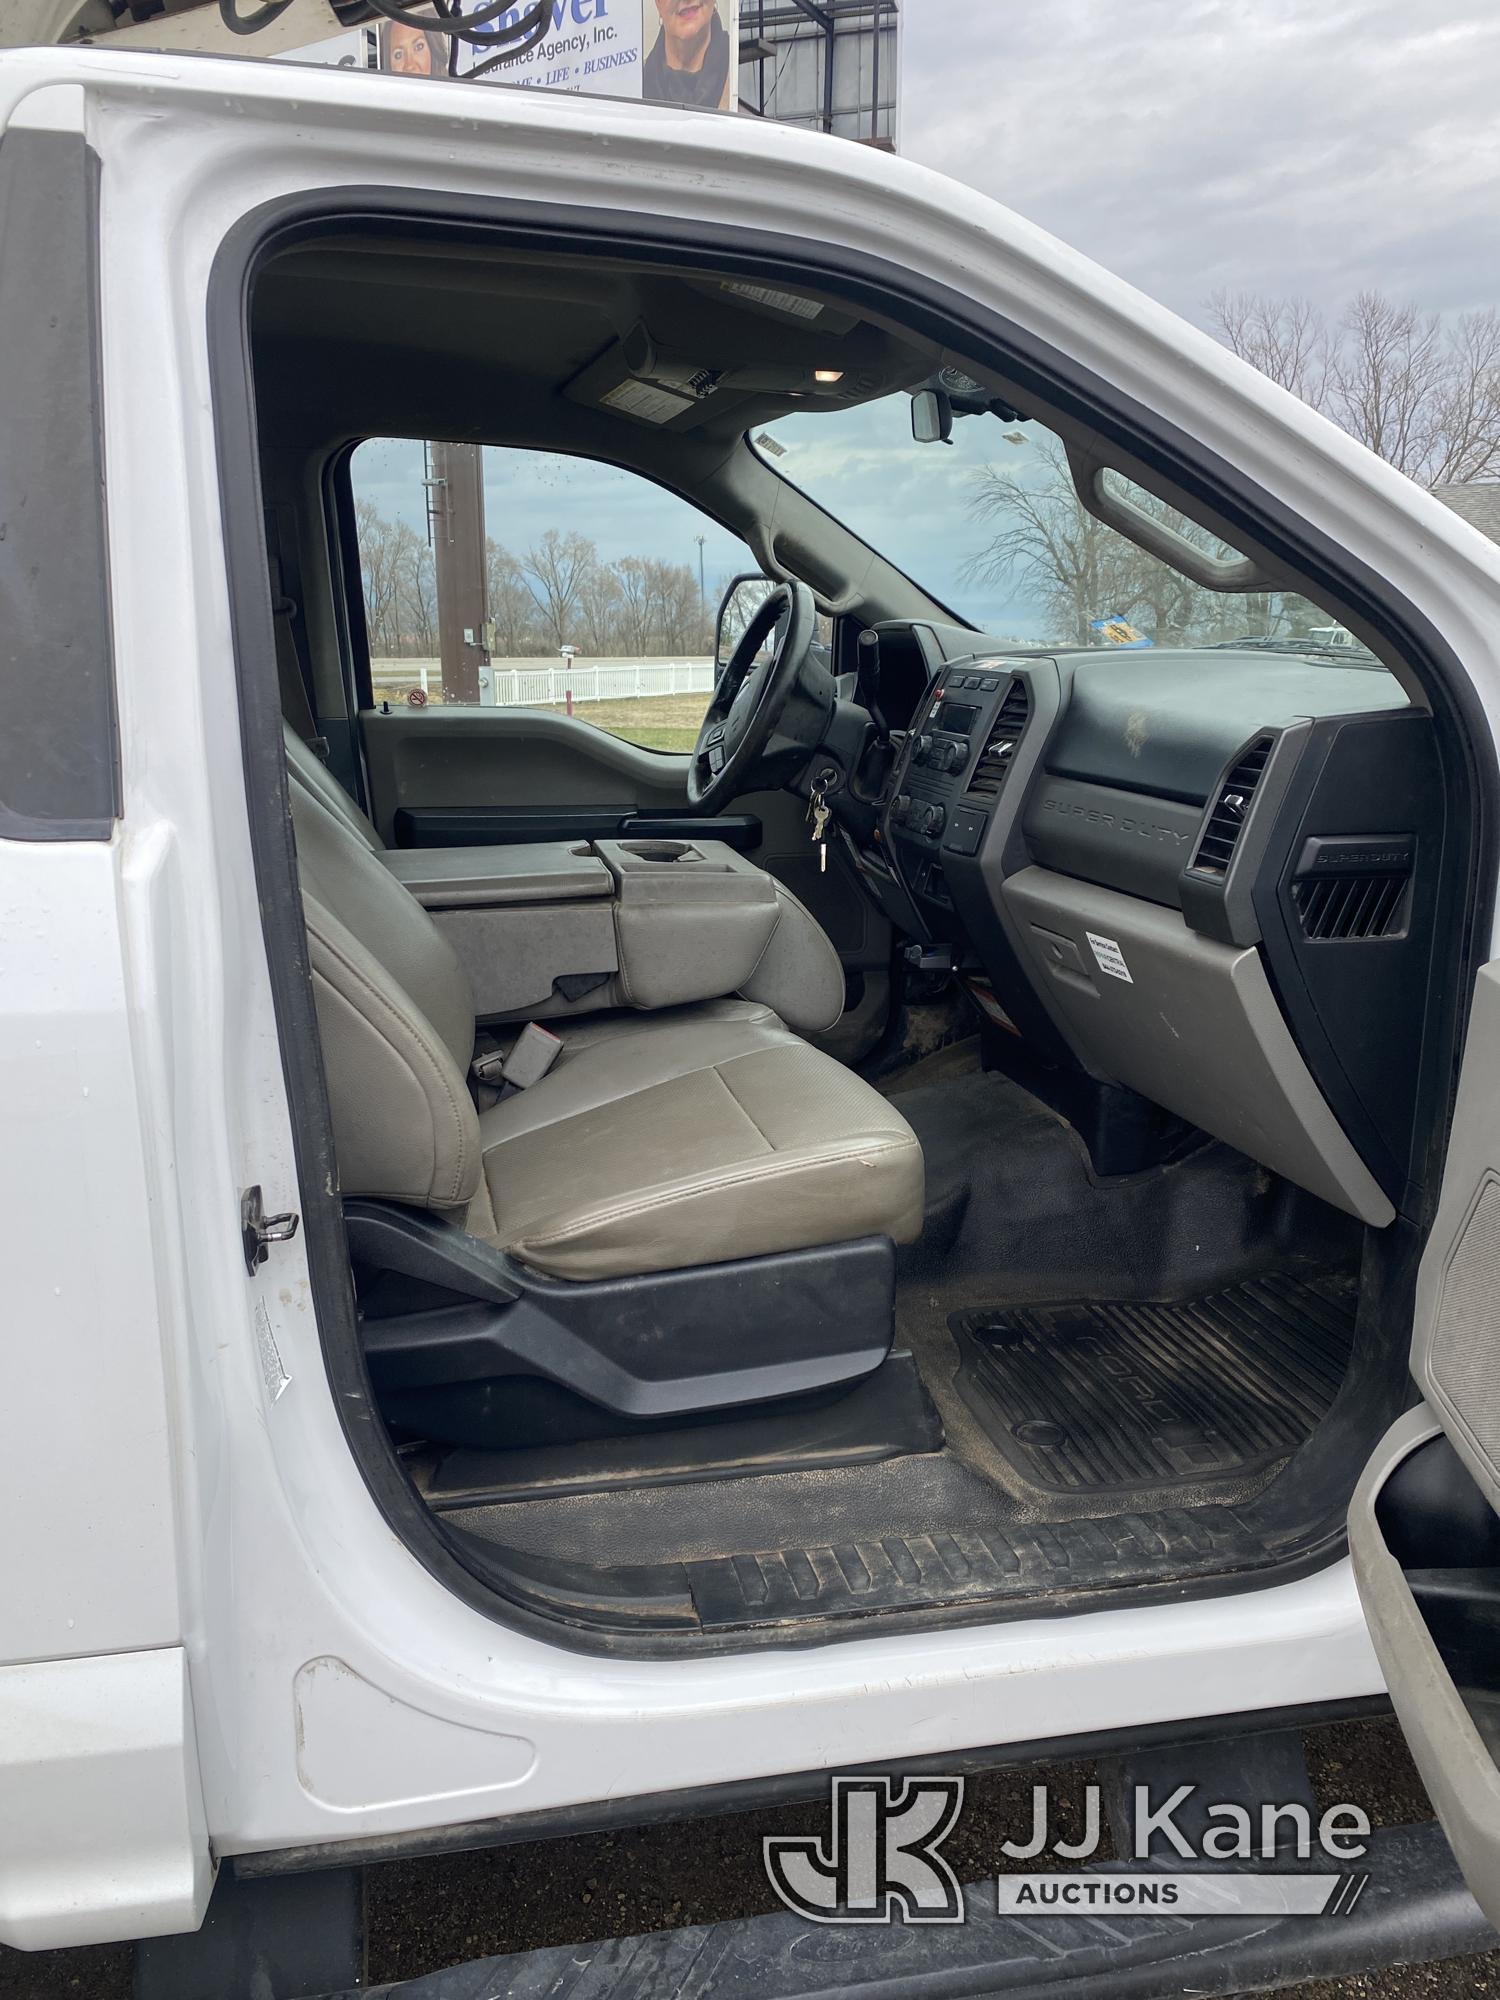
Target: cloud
{"x": 1193, "y": 144}
{"x": 1266, "y": 145}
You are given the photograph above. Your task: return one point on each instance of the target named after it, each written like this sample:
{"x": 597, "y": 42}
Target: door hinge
{"x": 258, "y": 1231}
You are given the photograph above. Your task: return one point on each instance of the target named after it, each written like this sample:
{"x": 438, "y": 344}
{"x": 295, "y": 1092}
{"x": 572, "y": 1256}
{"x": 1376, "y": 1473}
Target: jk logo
{"x": 880, "y": 1862}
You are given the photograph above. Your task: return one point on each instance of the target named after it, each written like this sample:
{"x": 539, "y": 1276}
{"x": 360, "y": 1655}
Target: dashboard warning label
{"x": 1110, "y": 957}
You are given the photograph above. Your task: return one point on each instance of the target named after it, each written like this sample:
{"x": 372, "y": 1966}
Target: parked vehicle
{"x": 504, "y": 1332}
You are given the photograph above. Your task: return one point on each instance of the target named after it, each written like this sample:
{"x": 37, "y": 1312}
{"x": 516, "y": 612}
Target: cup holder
{"x": 659, "y": 850}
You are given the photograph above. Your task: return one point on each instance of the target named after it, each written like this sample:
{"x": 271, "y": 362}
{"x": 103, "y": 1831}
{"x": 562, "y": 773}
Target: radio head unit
{"x": 953, "y": 718}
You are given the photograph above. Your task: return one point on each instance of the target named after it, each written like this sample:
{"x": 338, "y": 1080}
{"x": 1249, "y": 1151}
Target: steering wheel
{"x": 739, "y": 748}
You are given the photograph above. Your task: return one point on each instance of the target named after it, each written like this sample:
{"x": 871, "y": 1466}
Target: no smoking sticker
{"x": 1109, "y": 957}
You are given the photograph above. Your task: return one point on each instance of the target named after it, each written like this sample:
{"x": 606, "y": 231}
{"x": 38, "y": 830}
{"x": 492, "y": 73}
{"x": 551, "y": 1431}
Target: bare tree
{"x": 557, "y": 566}
{"x": 416, "y": 591}
{"x": 677, "y": 609}
{"x": 558, "y": 593}
{"x": 1045, "y": 541}
{"x": 1386, "y": 377}
{"x": 1469, "y": 407}
{"x": 400, "y": 585}
{"x": 599, "y": 607}
{"x": 1286, "y": 339}
{"x": 378, "y": 575}
{"x": 512, "y": 606}
{"x": 1422, "y": 393}
{"x": 633, "y": 579}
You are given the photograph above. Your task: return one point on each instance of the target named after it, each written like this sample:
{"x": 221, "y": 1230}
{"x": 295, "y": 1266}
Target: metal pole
{"x": 822, "y": 19}
{"x": 830, "y": 43}
{"x": 458, "y": 545}
{"x": 875, "y": 76}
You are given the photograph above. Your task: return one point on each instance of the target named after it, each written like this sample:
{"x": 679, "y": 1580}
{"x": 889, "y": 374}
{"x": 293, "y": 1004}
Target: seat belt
{"x": 524, "y": 1063}
{"x": 296, "y": 705}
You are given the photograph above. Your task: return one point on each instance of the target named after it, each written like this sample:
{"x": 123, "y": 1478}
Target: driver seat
{"x": 696, "y": 1135}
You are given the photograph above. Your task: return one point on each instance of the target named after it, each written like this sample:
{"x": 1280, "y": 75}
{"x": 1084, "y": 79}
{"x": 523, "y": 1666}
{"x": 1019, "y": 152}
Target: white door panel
{"x": 1424, "y": 1529}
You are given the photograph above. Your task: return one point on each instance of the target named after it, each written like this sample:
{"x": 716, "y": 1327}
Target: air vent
{"x": 1216, "y": 843}
{"x": 1352, "y": 890}
{"x": 1000, "y": 744}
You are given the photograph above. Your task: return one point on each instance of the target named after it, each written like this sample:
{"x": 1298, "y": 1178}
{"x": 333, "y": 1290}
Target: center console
{"x": 548, "y": 929}
{"x": 950, "y": 829}
{"x": 947, "y": 777}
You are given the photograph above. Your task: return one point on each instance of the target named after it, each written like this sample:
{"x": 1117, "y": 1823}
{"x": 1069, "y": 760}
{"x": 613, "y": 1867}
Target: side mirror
{"x": 931, "y": 416}
{"x": 739, "y": 604}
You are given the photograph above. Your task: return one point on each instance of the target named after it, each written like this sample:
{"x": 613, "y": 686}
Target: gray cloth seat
{"x": 307, "y": 769}
{"x": 690, "y": 1136}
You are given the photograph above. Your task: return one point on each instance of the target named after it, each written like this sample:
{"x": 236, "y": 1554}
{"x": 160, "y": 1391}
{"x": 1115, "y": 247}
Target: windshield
{"x": 988, "y": 523}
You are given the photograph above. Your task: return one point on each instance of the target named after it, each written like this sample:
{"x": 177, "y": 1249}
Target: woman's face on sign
{"x": 410, "y": 51}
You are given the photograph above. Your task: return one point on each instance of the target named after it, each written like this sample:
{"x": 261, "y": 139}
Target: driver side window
{"x": 503, "y": 577}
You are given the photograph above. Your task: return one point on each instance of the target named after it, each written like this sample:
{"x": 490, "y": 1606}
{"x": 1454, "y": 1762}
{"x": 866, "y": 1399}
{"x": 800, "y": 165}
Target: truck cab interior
{"x": 1012, "y": 1209}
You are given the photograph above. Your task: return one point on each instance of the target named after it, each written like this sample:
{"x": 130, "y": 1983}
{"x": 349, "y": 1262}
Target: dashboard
{"x": 1208, "y": 875}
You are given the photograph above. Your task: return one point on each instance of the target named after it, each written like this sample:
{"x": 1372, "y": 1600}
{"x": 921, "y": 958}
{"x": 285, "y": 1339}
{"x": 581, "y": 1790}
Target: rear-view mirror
{"x": 931, "y": 417}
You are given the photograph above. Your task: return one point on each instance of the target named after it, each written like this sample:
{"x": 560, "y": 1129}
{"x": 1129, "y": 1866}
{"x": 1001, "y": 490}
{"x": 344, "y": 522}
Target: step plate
{"x": 908, "y": 1572}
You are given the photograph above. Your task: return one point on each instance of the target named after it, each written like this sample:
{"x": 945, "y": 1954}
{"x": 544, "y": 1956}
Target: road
{"x": 421, "y": 1915}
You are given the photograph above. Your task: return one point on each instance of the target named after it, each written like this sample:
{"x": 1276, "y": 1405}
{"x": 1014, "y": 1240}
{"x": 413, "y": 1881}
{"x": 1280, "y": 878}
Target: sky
{"x": 1307, "y": 146}
{"x": 1281, "y": 146}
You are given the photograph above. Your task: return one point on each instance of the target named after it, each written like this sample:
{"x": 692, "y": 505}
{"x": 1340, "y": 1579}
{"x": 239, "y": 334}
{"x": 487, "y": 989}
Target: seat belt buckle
{"x": 524, "y": 1063}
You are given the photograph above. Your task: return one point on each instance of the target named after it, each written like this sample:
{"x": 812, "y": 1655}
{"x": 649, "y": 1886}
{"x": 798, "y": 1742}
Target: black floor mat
{"x": 1105, "y": 1397}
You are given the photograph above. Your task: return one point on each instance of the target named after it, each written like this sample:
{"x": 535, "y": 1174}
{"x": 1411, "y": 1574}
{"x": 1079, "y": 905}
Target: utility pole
{"x": 702, "y": 593}
{"x": 455, "y": 508}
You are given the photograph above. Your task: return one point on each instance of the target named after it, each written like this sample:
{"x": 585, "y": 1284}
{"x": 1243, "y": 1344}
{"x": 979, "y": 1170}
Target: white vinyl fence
{"x": 544, "y": 682}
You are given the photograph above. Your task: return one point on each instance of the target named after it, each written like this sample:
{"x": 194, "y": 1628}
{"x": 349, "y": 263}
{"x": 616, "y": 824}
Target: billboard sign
{"x": 667, "y": 51}
{"x": 353, "y": 49}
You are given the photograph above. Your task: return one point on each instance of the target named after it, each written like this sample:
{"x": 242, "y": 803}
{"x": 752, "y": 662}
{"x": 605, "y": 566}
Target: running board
{"x": 1414, "y": 1909}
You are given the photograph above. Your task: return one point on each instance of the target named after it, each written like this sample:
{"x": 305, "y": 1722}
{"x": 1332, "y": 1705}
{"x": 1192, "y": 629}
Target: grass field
{"x": 657, "y": 722}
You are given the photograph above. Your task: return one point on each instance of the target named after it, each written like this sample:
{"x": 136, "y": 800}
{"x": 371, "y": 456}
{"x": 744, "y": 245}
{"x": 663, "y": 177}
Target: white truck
{"x": 510, "y": 1326}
